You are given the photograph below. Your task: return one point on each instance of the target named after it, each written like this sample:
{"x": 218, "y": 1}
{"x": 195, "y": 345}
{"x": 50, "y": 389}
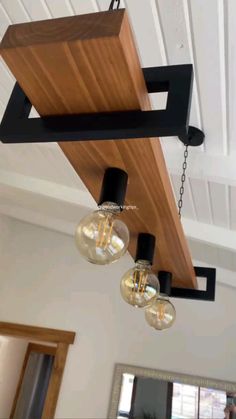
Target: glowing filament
{"x": 104, "y": 236}
{"x": 141, "y": 279}
{"x": 161, "y": 311}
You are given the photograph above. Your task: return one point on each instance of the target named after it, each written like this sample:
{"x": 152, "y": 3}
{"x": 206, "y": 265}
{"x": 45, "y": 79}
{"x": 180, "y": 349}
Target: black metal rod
{"x": 165, "y": 279}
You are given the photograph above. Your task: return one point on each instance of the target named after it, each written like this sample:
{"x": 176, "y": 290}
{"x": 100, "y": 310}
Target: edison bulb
{"x": 161, "y": 314}
{"x": 100, "y": 237}
{"x": 139, "y": 286}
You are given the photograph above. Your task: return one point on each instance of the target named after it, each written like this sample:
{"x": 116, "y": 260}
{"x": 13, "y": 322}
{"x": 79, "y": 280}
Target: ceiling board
{"x": 207, "y": 19}
{"x": 80, "y": 6}
{"x": 201, "y": 198}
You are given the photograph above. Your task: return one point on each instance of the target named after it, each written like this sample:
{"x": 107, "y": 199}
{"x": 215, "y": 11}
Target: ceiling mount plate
{"x": 195, "y": 137}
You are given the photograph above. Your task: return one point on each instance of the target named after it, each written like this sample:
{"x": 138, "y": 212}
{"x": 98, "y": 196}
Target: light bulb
{"x": 160, "y": 314}
{"x": 100, "y": 237}
{"x": 139, "y": 286}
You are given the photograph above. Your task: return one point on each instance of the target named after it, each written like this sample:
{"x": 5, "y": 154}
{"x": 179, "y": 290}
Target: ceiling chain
{"x": 111, "y": 7}
{"x": 183, "y": 179}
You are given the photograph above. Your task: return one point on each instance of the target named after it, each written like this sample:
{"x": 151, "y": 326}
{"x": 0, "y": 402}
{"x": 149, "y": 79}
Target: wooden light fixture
{"x": 77, "y": 67}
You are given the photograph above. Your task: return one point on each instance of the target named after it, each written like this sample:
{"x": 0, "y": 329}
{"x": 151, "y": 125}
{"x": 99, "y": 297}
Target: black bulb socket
{"x": 114, "y": 187}
{"x": 145, "y": 247}
{"x": 165, "y": 280}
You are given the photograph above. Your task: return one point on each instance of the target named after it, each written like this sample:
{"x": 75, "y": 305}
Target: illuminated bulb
{"x": 160, "y": 314}
{"x": 100, "y": 237}
{"x": 139, "y": 286}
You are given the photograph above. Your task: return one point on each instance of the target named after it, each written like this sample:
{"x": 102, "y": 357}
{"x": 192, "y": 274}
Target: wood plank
{"x": 55, "y": 381}
{"x": 89, "y": 63}
{"x": 36, "y": 333}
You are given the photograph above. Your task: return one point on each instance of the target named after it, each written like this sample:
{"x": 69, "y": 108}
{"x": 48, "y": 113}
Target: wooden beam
{"x": 89, "y": 63}
{"x": 40, "y": 334}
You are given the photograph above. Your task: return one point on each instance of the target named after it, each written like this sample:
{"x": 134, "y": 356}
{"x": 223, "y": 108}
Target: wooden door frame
{"x": 62, "y": 339}
{"x": 32, "y": 347}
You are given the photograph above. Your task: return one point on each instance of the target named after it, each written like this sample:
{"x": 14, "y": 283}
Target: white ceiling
{"x": 38, "y": 185}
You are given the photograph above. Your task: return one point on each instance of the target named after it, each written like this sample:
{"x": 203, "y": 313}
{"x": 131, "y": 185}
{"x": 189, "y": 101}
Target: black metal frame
{"x": 16, "y": 127}
{"x": 187, "y": 293}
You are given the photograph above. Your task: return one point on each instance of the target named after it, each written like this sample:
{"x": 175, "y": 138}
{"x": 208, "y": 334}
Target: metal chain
{"x": 111, "y": 7}
{"x": 183, "y": 178}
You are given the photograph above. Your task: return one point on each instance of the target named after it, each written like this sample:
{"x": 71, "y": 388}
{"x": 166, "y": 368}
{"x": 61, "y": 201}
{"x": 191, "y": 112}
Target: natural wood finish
{"x": 32, "y": 347}
{"x": 89, "y": 64}
{"x": 42, "y": 349}
{"x": 55, "y": 381}
{"x": 61, "y": 338}
{"x": 40, "y": 334}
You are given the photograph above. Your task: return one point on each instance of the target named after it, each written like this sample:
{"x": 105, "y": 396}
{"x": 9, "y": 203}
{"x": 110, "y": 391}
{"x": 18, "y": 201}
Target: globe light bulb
{"x": 139, "y": 286}
{"x": 100, "y": 237}
{"x": 160, "y": 314}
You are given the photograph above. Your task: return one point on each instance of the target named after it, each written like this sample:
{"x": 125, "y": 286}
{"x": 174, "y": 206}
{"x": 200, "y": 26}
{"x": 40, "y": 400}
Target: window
{"x": 192, "y": 402}
{"x": 126, "y": 395}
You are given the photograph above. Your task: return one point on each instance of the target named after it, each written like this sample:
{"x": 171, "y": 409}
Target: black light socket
{"x": 114, "y": 187}
{"x": 165, "y": 280}
{"x": 145, "y": 247}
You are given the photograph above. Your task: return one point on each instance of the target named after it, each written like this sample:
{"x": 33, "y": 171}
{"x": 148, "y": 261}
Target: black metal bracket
{"x": 17, "y": 127}
{"x": 165, "y": 279}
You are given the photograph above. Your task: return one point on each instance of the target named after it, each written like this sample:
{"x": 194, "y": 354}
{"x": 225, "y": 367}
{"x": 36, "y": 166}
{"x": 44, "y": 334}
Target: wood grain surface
{"x": 36, "y": 333}
{"x": 89, "y": 63}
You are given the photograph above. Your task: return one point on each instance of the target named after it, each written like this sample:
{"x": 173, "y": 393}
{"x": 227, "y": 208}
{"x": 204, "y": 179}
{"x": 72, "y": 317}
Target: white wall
{"x": 43, "y": 281}
{"x": 12, "y": 354}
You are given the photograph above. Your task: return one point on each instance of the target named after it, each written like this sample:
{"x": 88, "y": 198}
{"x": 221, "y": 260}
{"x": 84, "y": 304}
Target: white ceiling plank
{"x": 60, "y": 8}
{"x": 16, "y": 10}
{"x": 43, "y": 188}
{"x": 188, "y": 209}
{"x": 5, "y": 20}
{"x": 176, "y": 27}
{"x": 219, "y": 204}
{"x": 148, "y": 32}
{"x": 83, "y": 7}
{"x": 207, "y": 19}
{"x": 36, "y": 218}
{"x": 212, "y": 256}
{"x": 214, "y": 235}
{"x": 6, "y": 83}
{"x": 2, "y": 108}
{"x": 202, "y": 166}
{"x": 231, "y": 71}
{"x": 6, "y": 77}
{"x": 200, "y": 194}
{"x": 43, "y": 162}
{"x": 232, "y": 207}
{"x": 37, "y": 10}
